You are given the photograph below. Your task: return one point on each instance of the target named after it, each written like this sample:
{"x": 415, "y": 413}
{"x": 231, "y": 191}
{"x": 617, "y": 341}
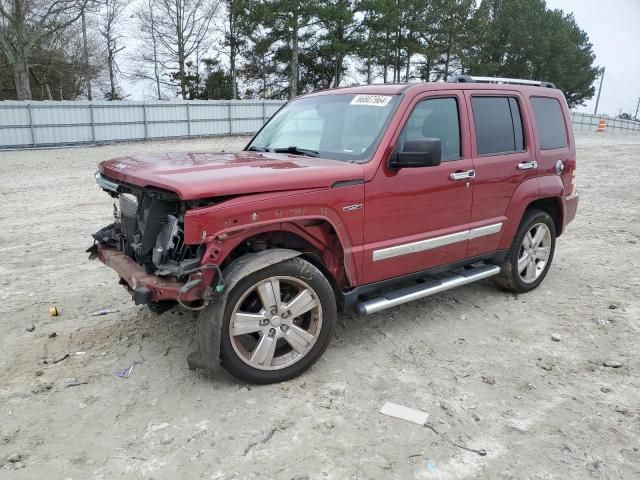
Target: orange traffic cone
{"x": 601, "y": 125}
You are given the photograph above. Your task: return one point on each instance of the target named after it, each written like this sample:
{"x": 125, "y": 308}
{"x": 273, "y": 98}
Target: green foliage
{"x": 218, "y": 84}
{"x": 522, "y": 39}
{"x": 282, "y": 48}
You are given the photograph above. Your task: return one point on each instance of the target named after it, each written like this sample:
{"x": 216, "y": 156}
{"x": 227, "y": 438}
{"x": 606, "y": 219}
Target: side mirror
{"x": 426, "y": 152}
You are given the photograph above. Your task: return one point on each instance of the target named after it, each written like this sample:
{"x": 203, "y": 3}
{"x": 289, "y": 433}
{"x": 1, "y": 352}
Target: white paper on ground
{"x": 404, "y": 413}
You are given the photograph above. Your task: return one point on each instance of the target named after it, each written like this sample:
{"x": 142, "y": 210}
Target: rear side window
{"x": 498, "y": 125}
{"x": 550, "y": 122}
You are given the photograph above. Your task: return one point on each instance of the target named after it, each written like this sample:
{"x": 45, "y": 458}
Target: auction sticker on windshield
{"x": 374, "y": 100}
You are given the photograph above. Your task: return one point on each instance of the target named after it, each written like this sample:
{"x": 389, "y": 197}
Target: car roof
{"x": 419, "y": 87}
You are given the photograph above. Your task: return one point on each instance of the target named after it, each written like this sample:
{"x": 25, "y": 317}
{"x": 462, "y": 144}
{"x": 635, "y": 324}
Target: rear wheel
{"x": 278, "y": 321}
{"x": 531, "y": 253}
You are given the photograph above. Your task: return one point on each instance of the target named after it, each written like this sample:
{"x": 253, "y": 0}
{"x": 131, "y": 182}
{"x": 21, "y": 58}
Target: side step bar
{"x": 415, "y": 292}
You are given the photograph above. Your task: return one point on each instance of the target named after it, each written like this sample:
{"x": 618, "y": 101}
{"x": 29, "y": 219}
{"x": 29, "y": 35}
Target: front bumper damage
{"x": 146, "y": 288}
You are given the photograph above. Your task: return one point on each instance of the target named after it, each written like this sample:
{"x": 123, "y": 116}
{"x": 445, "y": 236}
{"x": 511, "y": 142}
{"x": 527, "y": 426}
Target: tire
{"x": 536, "y": 258}
{"x": 270, "y": 344}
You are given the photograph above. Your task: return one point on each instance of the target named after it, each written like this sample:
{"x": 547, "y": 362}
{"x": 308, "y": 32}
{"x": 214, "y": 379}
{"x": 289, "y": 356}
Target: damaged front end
{"x": 145, "y": 246}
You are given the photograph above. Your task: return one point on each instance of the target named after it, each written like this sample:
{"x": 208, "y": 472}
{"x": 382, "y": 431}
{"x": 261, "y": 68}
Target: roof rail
{"x": 514, "y": 81}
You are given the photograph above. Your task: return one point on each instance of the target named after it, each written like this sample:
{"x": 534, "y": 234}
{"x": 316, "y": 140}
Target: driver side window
{"x": 435, "y": 118}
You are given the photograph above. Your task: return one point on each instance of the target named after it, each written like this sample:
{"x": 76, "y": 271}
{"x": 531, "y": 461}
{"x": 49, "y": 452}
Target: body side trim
{"x": 435, "y": 242}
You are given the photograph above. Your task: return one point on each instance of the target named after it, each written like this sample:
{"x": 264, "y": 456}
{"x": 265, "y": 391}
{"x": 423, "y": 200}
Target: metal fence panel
{"x": 32, "y": 124}
{"x": 51, "y": 123}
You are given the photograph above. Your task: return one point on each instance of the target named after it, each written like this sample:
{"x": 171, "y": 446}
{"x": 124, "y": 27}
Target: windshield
{"x": 339, "y": 127}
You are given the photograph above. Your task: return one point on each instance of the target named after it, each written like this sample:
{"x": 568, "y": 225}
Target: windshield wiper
{"x": 296, "y": 151}
{"x": 257, "y": 149}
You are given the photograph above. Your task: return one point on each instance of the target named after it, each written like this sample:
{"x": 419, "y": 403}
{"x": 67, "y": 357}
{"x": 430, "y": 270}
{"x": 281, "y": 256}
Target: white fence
{"x": 41, "y": 124}
{"x": 586, "y": 121}
{"x": 36, "y": 124}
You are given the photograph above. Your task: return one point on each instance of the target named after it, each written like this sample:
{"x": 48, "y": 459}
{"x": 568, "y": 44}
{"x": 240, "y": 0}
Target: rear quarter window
{"x": 552, "y": 130}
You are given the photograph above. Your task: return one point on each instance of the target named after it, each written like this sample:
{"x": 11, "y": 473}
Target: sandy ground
{"x": 480, "y": 361}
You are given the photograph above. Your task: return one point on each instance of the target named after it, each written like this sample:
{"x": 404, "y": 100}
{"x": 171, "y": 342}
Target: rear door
{"x": 503, "y": 156}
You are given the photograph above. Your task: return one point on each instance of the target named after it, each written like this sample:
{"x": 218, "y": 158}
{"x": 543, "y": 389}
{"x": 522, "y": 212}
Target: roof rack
{"x": 514, "y": 81}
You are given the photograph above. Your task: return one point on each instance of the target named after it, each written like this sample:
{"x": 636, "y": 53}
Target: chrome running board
{"x": 415, "y": 292}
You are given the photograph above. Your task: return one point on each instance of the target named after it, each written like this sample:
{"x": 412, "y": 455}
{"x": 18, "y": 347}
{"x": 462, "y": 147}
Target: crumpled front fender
{"x": 207, "y": 356}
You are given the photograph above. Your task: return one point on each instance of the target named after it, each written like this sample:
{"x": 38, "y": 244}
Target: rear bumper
{"x": 144, "y": 287}
{"x": 571, "y": 203}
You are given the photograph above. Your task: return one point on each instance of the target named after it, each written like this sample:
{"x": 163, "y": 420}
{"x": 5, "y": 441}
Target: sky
{"x": 613, "y": 27}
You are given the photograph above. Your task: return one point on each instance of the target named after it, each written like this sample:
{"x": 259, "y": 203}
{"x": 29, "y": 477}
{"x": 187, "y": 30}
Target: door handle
{"x": 469, "y": 174}
{"x": 528, "y": 165}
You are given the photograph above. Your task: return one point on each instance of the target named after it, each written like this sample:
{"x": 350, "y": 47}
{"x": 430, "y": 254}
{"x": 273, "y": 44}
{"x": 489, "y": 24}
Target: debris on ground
{"x": 42, "y": 387}
{"x": 53, "y": 311}
{"x": 546, "y": 366}
{"x": 422, "y": 418}
{"x": 104, "y": 311}
{"x": 14, "y": 458}
{"x": 126, "y": 372}
{"x": 612, "y": 363}
{"x": 555, "y": 337}
{"x": 154, "y": 427}
{"x": 267, "y": 437}
{"x": 404, "y": 413}
{"x": 75, "y": 384}
{"x": 54, "y": 360}
{"x": 30, "y": 328}
{"x": 489, "y": 380}
{"x": 53, "y": 335}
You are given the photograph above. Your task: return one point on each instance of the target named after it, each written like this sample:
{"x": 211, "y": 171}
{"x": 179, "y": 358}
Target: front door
{"x": 417, "y": 218}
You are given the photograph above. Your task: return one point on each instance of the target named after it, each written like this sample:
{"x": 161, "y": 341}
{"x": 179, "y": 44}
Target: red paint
{"x": 133, "y": 275}
{"x": 268, "y": 192}
{"x": 205, "y": 175}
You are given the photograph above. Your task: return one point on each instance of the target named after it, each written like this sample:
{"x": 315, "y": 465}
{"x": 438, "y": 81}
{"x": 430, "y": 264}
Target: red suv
{"x": 362, "y": 197}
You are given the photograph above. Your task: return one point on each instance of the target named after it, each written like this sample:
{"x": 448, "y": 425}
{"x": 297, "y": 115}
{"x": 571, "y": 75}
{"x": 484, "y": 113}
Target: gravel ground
{"x": 521, "y": 376}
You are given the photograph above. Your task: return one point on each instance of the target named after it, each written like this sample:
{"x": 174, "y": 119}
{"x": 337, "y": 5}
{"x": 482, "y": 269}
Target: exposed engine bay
{"x": 148, "y": 227}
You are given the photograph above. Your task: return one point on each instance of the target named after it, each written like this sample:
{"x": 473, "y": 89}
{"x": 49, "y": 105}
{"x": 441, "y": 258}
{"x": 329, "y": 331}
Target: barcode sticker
{"x": 373, "y": 100}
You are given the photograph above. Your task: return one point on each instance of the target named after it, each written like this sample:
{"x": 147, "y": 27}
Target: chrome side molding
{"x": 435, "y": 242}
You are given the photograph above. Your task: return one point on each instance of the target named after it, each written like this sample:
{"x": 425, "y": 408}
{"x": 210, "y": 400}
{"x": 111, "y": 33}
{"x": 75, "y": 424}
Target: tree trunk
{"x": 446, "y": 66}
{"x": 21, "y": 54}
{"x": 181, "y": 56}
{"x": 385, "y": 75}
{"x": 232, "y": 52}
{"x": 408, "y": 69}
{"x": 21, "y": 78}
{"x": 111, "y": 78}
{"x": 156, "y": 69}
{"x": 85, "y": 56}
{"x": 339, "y": 60}
{"x": 293, "y": 81}
{"x": 396, "y": 65}
{"x": 369, "y": 57}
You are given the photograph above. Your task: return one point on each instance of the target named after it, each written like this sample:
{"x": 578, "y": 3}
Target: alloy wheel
{"x": 534, "y": 252}
{"x": 275, "y": 323}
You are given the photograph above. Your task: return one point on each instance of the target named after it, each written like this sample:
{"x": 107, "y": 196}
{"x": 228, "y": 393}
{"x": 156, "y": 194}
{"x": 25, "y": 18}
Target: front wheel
{"x": 531, "y": 253}
{"x": 277, "y": 322}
